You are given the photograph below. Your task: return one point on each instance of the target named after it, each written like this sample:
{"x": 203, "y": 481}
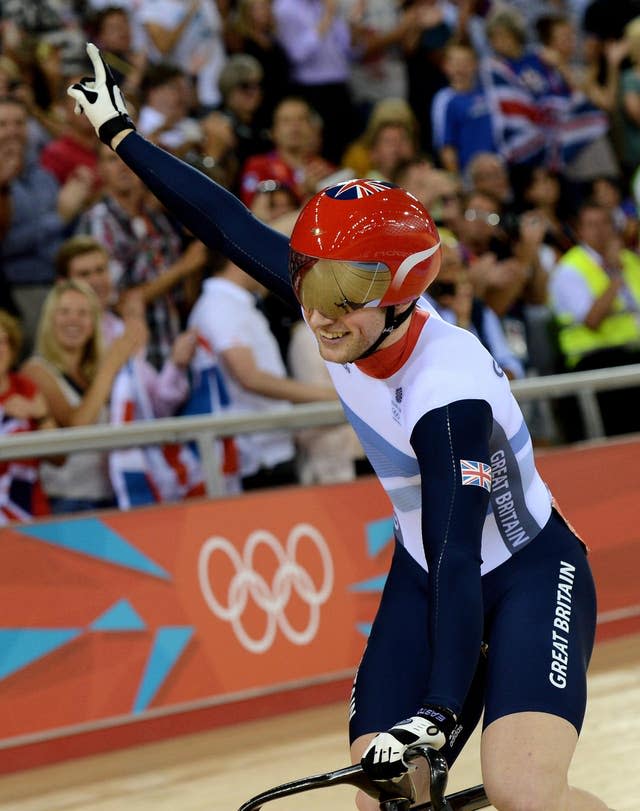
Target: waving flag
{"x": 21, "y": 495}
{"x": 537, "y": 117}
{"x": 171, "y": 472}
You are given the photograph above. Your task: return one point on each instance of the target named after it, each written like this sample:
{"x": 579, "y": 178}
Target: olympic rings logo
{"x": 273, "y": 597}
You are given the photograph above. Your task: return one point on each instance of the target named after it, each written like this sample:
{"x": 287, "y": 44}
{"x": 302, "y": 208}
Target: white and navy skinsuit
{"x": 481, "y": 554}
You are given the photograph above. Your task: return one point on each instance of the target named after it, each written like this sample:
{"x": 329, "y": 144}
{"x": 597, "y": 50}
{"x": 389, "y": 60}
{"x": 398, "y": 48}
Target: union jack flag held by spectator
{"x": 476, "y": 473}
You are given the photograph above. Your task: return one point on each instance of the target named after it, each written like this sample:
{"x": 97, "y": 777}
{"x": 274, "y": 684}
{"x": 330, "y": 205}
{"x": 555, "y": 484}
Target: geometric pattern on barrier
{"x": 121, "y": 616}
{"x": 378, "y": 535}
{"x": 374, "y": 584}
{"x": 167, "y": 648}
{"x": 89, "y": 536}
{"x": 20, "y": 647}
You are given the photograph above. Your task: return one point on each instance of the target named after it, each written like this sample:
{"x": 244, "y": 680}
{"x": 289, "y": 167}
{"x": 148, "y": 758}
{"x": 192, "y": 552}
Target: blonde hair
{"x": 632, "y": 36}
{"x": 12, "y": 327}
{"x": 47, "y": 345}
{"x": 391, "y": 110}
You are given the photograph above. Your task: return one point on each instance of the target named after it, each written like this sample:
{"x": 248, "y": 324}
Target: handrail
{"x": 203, "y": 429}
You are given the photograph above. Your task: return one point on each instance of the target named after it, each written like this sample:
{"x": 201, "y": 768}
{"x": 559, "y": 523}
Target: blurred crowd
{"x": 517, "y": 124}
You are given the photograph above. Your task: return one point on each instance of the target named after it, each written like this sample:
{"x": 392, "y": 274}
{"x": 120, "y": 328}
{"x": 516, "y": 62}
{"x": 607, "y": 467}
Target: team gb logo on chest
{"x": 396, "y": 405}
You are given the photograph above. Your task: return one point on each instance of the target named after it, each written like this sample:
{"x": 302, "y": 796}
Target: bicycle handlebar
{"x": 392, "y": 796}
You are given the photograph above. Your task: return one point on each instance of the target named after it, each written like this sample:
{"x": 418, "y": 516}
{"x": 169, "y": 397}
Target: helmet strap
{"x": 391, "y": 322}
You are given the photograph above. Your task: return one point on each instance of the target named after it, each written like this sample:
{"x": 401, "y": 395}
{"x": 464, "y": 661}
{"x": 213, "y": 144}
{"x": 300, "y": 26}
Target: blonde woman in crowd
{"x": 76, "y": 377}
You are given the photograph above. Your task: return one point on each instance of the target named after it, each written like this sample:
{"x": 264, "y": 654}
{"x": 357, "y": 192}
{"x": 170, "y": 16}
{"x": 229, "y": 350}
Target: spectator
{"x": 487, "y": 172}
{"x": 558, "y": 36}
{"x": 148, "y": 474}
{"x": 75, "y": 378}
{"x": 241, "y": 86}
{"x": 277, "y": 205}
{"x": 379, "y": 70}
{"x": 254, "y": 34}
{"x": 164, "y": 115}
{"x": 75, "y": 147}
{"x": 296, "y": 160}
{"x": 453, "y": 297}
{"x": 215, "y": 154}
{"x": 22, "y": 408}
{"x": 595, "y": 294}
{"x": 437, "y": 190}
{"x": 186, "y": 34}
{"x": 608, "y": 192}
{"x": 462, "y": 123}
{"x": 110, "y": 28}
{"x": 432, "y": 24}
{"x": 227, "y": 317}
{"x": 543, "y": 191}
{"x": 357, "y": 156}
{"x": 504, "y": 264}
{"x": 50, "y": 24}
{"x": 41, "y": 211}
{"x": 82, "y": 258}
{"x": 145, "y": 250}
{"x": 562, "y": 126}
{"x": 391, "y": 144}
{"x": 33, "y": 76}
{"x": 317, "y": 39}
{"x": 630, "y": 99}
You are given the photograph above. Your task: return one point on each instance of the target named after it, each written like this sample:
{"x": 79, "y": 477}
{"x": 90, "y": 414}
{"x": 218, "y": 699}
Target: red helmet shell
{"x": 372, "y": 221}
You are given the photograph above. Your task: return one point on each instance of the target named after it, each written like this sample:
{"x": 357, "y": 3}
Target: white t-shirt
{"x": 226, "y": 316}
{"x": 199, "y": 51}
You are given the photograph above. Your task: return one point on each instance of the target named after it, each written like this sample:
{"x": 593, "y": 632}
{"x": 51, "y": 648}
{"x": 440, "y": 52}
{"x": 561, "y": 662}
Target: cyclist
{"x": 489, "y": 603}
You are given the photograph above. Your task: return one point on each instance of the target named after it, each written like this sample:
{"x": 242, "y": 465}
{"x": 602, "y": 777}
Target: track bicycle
{"x": 391, "y": 796}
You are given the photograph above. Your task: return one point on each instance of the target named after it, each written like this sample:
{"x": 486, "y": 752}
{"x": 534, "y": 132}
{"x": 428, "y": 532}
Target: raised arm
{"x": 208, "y": 210}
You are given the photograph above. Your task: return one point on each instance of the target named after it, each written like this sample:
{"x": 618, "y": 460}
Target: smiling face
{"x": 73, "y": 322}
{"x": 93, "y": 268}
{"x": 346, "y": 338}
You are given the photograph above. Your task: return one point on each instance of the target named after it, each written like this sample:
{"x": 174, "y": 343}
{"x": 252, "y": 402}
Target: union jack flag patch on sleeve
{"x": 477, "y": 473}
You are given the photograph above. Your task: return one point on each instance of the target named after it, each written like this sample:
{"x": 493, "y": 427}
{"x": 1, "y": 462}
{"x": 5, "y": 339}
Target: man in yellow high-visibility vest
{"x": 595, "y": 295}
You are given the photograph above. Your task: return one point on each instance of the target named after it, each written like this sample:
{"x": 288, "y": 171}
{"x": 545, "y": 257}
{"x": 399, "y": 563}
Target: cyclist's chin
{"x": 344, "y": 350}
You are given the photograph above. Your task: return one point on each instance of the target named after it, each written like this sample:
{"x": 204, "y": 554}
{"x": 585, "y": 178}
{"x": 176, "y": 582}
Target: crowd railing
{"x": 202, "y": 430}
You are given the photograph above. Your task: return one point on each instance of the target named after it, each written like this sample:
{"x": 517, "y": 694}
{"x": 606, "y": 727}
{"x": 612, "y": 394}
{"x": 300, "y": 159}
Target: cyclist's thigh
{"x": 527, "y": 755}
{"x": 542, "y": 609}
{"x": 390, "y": 682}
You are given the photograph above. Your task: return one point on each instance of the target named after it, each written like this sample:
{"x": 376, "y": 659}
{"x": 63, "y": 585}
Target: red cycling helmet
{"x": 362, "y": 243}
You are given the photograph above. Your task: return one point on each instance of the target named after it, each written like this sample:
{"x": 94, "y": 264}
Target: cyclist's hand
{"x": 101, "y": 100}
{"x": 384, "y": 757}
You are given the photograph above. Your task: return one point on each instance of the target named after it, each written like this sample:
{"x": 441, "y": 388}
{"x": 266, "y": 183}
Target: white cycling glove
{"x": 383, "y": 759}
{"x": 101, "y": 100}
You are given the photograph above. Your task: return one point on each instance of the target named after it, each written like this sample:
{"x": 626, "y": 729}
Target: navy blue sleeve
{"x": 213, "y": 214}
{"x": 452, "y": 521}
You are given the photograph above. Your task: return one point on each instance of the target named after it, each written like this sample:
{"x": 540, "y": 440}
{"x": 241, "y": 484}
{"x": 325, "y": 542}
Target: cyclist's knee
{"x": 527, "y": 797}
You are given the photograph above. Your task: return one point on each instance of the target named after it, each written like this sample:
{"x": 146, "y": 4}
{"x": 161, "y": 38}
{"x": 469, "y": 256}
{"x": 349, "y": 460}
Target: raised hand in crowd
{"x": 184, "y": 348}
{"x": 76, "y": 193}
{"x": 27, "y": 408}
